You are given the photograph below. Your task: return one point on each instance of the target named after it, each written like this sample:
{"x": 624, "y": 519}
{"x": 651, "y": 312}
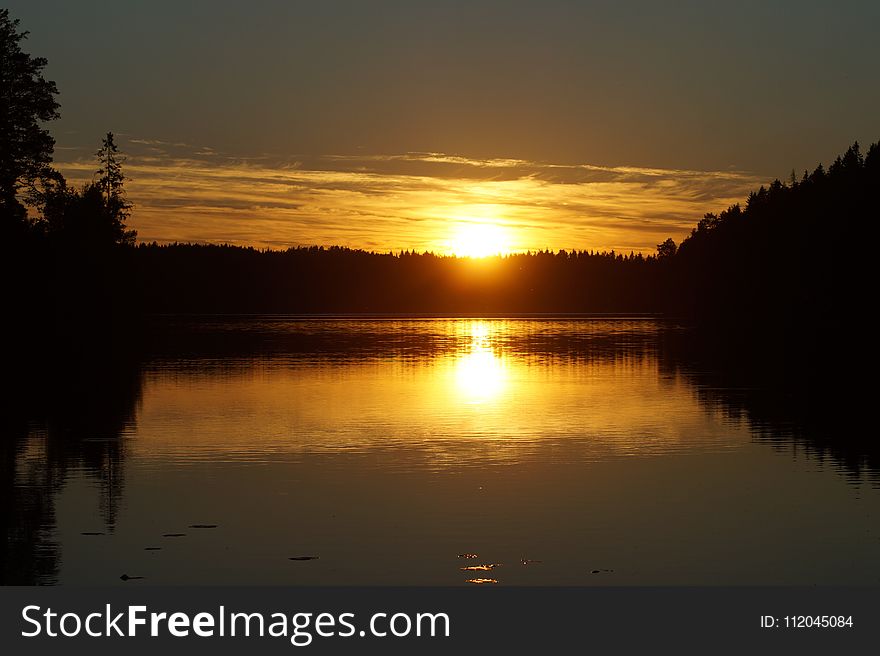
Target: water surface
{"x": 344, "y": 451}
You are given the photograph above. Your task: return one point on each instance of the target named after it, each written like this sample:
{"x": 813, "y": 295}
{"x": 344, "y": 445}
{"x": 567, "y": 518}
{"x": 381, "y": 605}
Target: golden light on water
{"x": 478, "y": 385}
{"x": 480, "y": 376}
{"x": 480, "y": 373}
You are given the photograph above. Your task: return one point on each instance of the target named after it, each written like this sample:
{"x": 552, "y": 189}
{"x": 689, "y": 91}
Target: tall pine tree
{"x": 111, "y": 182}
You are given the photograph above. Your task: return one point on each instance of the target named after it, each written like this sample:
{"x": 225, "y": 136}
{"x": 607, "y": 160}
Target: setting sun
{"x": 480, "y": 240}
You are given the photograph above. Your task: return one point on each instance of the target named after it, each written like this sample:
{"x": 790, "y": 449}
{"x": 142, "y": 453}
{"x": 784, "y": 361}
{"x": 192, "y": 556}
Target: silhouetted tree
{"x": 666, "y": 249}
{"x": 112, "y": 180}
{"x": 78, "y": 219}
{"x": 26, "y": 99}
{"x": 92, "y": 217}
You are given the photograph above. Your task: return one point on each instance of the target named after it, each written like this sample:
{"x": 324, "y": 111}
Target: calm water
{"x": 606, "y": 451}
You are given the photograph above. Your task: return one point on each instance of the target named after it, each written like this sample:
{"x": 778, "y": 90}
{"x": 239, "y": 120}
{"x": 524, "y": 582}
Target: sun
{"x": 480, "y": 240}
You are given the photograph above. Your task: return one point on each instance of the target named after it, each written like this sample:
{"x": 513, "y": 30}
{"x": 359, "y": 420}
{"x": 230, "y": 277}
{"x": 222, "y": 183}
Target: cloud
{"x": 415, "y": 201}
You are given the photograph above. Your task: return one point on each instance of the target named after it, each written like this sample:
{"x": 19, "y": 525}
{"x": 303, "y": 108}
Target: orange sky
{"x": 422, "y": 201}
{"x": 452, "y": 125}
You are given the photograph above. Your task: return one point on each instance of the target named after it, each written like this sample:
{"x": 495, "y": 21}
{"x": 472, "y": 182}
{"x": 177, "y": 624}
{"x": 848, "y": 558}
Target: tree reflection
{"x": 60, "y": 415}
{"x": 790, "y": 397}
{"x": 66, "y": 415}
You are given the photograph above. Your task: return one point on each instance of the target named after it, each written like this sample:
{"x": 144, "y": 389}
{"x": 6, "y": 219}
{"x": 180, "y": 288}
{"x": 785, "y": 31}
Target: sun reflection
{"x": 480, "y": 374}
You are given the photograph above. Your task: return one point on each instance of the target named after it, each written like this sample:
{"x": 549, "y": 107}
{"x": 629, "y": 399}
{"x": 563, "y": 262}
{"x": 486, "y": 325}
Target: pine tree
{"x": 111, "y": 182}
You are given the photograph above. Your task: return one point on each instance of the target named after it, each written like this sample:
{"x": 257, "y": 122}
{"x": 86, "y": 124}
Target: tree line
{"x": 793, "y": 251}
{"x": 779, "y": 257}
{"x": 230, "y": 279}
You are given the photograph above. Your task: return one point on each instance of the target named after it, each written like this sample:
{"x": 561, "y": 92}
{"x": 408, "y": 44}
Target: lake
{"x": 556, "y": 451}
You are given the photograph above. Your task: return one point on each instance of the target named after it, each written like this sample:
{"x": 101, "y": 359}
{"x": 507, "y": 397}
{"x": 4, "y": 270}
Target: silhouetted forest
{"x": 71, "y": 262}
{"x": 774, "y": 260}
{"x": 788, "y": 253}
{"x": 225, "y": 279}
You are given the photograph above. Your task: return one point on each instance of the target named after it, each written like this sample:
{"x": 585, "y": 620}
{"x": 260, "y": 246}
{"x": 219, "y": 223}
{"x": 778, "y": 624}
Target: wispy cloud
{"x": 184, "y": 192}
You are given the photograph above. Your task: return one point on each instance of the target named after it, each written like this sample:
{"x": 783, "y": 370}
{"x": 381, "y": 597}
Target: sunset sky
{"x": 453, "y": 126}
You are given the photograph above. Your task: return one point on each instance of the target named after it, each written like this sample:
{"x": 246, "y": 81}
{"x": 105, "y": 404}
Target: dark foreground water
{"x": 560, "y": 452}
